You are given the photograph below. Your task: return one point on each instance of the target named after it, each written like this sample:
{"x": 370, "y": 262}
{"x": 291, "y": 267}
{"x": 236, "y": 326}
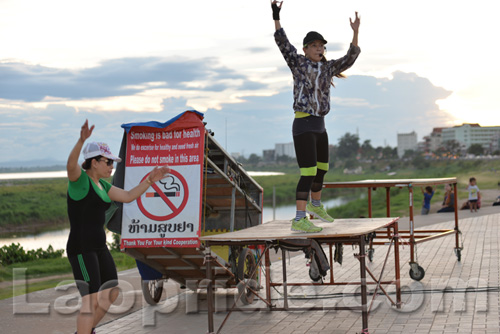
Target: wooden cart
{"x": 159, "y": 231}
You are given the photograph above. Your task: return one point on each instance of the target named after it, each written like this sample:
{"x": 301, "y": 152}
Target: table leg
{"x": 285, "y": 290}
{"x": 364, "y": 299}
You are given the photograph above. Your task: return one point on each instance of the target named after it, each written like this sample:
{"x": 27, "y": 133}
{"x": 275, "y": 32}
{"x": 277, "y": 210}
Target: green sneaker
{"x": 304, "y": 225}
{"x": 319, "y": 212}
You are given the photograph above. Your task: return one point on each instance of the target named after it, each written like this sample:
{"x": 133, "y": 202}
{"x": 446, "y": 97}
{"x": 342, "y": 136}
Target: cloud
{"x": 257, "y": 50}
{"x": 378, "y": 108}
{"x": 115, "y": 77}
{"x": 330, "y": 47}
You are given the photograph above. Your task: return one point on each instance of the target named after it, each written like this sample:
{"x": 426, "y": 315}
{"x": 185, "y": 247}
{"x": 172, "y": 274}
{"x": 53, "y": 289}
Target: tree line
{"x": 350, "y": 152}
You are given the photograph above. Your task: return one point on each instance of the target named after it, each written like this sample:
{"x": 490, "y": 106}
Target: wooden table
{"x": 345, "y": 231}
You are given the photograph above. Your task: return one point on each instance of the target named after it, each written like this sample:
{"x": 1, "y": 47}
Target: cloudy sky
{"x": 423, "y": 64}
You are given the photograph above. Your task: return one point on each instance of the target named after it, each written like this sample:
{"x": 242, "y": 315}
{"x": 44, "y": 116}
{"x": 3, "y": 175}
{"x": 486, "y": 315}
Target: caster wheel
{"x": 417, "y": 273}
{"x": 458, "y": 253}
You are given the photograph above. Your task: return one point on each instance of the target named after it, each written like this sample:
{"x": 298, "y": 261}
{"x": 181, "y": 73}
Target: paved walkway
{"x": 453, "y": 297}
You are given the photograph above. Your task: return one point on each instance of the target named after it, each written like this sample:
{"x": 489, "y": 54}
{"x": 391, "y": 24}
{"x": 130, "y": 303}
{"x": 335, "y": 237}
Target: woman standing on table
{"x": 312, "y": 76}
{"x": 89, "y": 196}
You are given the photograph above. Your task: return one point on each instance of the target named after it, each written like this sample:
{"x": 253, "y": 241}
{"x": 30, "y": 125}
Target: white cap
{"x": 94, "y": 149}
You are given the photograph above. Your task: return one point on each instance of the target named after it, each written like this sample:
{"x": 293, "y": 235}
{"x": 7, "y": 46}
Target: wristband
{"x": 276, "y": 12}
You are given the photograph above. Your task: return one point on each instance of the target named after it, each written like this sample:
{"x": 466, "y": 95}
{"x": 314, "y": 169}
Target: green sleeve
{"x": 80, "y": 188}
{"x": 106, "y": 185}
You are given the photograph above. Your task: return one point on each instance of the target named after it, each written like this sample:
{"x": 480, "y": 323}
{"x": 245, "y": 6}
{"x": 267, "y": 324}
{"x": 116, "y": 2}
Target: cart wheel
{"x": 417, "y": 273}
{"x": 458, "y": 253}
{"x": 371, "y": 251}
{"x": 247, "y": 266}
{"x": 152, "y": 290}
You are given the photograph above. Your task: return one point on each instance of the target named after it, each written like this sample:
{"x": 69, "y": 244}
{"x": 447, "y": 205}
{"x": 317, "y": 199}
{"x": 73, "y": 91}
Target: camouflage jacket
{"x": 311, "y": 80}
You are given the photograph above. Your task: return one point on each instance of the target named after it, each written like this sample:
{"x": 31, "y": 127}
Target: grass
{"x": 48, "y": 268}
{"x": 33, "y": 202}
{"x": 485, "y": 172}
{"x": 21, "y": 289}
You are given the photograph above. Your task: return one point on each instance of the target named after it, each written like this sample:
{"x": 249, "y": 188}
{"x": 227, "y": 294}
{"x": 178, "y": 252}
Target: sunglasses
{"x": 108, "y": 162}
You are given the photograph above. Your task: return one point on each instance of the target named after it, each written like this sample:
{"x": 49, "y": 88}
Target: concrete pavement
{"x": 453, "y": 297}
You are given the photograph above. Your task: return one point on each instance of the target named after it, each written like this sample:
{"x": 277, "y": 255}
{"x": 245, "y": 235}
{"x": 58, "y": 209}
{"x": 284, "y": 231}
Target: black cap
{"x": 313, "y": 36}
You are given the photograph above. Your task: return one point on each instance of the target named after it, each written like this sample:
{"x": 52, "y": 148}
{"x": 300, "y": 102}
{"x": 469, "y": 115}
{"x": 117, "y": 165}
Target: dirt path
{"x": 9, "y": 284}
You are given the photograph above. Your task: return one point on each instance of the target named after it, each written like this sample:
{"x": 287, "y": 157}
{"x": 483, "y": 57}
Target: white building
{"x": 406, "y": 141}
{"x": 284, "y": 149}
{"x": 436, "y": 139}
{"x": 468, "y": 134}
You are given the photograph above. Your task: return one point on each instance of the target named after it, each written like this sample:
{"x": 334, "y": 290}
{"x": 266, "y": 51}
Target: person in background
{"x": 89, "y": 196}
{"x": 312, "y": 76}
{"x": 474, "y": 194}
{"x": 449, "y": 200}
{"x": 428, "y": 193}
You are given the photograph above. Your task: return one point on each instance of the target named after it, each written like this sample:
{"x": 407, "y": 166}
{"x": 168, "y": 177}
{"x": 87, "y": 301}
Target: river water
{"x": 58, "y": 238}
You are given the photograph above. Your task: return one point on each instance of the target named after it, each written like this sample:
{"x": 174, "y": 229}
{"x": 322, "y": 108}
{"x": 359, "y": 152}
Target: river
{"x": 58, "y": 238}
{"x": 62, "y": 174}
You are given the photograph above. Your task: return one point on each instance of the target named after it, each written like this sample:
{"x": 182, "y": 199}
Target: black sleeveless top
{"x": 87, "y": 217}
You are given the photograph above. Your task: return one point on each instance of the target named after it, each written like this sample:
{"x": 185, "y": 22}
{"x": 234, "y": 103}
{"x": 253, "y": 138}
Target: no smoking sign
{"x": 166, "y": 198}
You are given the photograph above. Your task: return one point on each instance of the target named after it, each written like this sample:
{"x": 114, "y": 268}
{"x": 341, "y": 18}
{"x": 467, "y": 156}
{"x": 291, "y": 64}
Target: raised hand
{"x": 355, "y": 24}
{"x": 86, "y": 132}
{"x": 276, "y": 9}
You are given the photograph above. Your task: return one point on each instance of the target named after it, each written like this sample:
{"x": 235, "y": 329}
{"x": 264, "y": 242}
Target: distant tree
{"x": 476, "y": 149}
{"x": 440, "y": 151}
{"x": 410, "y": 154}
{"x": 389, "y": 152}
{"x": 452, "y": 147}
{"x": 284, "y": 158}
{"x": 351, "y": 163}
{"x": 419, "y": 162}
{"x": 254, "y": 159}
{"x": 367, "y": 150}
{"x": 348, "y": 146}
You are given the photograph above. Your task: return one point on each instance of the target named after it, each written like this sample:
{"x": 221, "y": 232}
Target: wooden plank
{"x": 390, "y": 183}
{"x": 280, "y": 230}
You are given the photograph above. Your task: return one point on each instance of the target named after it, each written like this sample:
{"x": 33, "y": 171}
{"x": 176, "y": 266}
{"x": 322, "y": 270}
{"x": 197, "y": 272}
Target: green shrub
{"x": 15, "y": 253}
{"x": 115, "y": 245}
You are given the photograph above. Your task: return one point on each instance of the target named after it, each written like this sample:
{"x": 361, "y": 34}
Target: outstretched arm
{"x": 127, "y": 196}
{"x": 72, "y": 167}
{"x": 355, "y": 29}
{"x": 276, "y": 13}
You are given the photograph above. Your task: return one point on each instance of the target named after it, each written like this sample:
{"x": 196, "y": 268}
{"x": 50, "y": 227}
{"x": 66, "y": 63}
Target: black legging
{"x": 311, "y": 149}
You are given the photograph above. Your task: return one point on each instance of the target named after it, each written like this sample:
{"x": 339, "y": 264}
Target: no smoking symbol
{"x": 173, "y": 186}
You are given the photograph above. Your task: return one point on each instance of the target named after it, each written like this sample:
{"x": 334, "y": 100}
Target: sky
{"x": 422, "y": 65}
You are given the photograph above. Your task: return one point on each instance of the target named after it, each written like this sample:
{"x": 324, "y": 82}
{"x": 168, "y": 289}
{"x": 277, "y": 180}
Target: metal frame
{"x": 360, "y": 240}
{"x": 414, "y": 237}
